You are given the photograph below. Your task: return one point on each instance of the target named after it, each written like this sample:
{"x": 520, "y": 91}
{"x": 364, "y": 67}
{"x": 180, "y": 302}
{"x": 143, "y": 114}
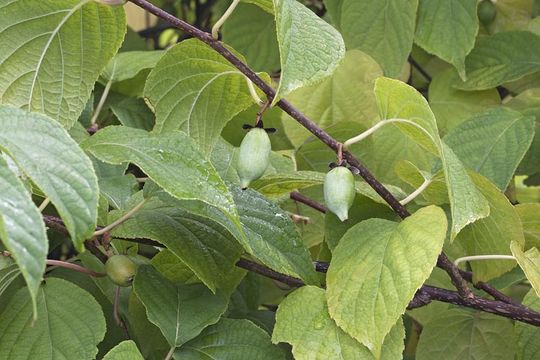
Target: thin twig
{"x": 296, "y": 196}
{"x": 119, "y": 221}
{"x": 420, "y": 69}
{"x": 75, "y": 267}
{"x": 44, "y": 204}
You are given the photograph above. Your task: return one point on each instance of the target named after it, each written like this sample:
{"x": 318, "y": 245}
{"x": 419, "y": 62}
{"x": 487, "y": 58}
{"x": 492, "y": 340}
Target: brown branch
{"x": 269, "y": 273}
{"x": 75, "y": 267}
{"x": 296, "y": 196}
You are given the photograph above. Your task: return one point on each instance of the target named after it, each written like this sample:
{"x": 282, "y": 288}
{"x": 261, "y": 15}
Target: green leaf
{"x": 398, "y": 100}
{"x": 252, "y": 32}
{"x": 492, "y": 234}
{"x": 231, "y": 339}
{"x": 126, "y": 350}
{"x": 22, "y": 230}
{"x": 174, "y": 269}
{"x": 376, "y": 269}
{"x": 315, "y": 336}
{"x": 52, "y": 53}
{"x": 502, "y": 57}
{"x": 493, "y": 143}
{"x": 329, "y": 101}
{"x": 304, "y": 39}
{"x": 171, "y": 160}
{"x": 528, "y": 336}
{"x": 46, "y": 154}
{"x": 266, "y": 5}
{"x": 384, "y": 29}
{"x": 205, "y": 246}
{"x": 180, "y": 311}
{"x": 528, "y": 214}
{"x": 452, "y": 106}
{"x": 69, "y": 323}
{"x": 529, "y": 261}
{"x": 134, "y": 113}
{"x": 193, "y": 88}
{"x": 271, "y": 236}
{"x": 463, "y": 335}
{"x": 447, "y": 29}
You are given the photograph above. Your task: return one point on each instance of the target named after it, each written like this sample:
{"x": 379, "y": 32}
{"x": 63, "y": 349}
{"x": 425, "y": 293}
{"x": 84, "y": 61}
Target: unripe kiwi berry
{"x": 121, "y": 270}
{"x": 339, "y": 191}
{"x": 254, "y": 156}
{"x": 486, "y": 12}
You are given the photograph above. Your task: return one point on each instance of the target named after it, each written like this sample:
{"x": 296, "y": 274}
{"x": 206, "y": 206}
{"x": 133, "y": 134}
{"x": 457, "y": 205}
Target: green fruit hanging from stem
{"x": 486, "y": 12}
{"x": 339, "y": 191}
{"x": 254, "y": 156}
{"x": 121, "y": 270}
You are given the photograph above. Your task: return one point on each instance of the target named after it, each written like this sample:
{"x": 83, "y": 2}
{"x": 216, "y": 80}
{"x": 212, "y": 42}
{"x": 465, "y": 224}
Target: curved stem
{"x": 376, "y": 127}
{"x": 253, "y": 92}
{"x": 44, "y": 204}
{"x": 101, "y": 103}
{"x": 170, "y": 354}
{"x": 223, "y": 18}
{"x": 119, "y": 221}
{"x": 75, "y": 267}
{"x": 483, "y": 257}
{"x": 416, "y": 192}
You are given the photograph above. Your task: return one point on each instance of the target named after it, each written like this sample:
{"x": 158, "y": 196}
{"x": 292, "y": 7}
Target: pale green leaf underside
{"x": 399, "y": 100}
{"x": 315, "y": 336}
{"x": 310, "y": 49}
{"x": 193, "y": 88}
{"x": 383, "y": 29}
{"x": 126, "y": 350}
{"x": 329, "y": 101}
{"x": 266, "y": 5}
{"x": 528, "y": 336}
{"x": 529, "y": 261}
{"x": 492, "y": 234}
{"x": 530, "y": 220}
{"x": 52, "y": 52}
{"x": 127, "y": 65}
{"x": 376, "y": 269}
{"x": 46, "y": 154}
{"x": 447, "y": 29}
{"x": 21, "y": 229}
{"x": 69, "y": 325}
{"x": 180, "y": 311}
{"x": 171, "y": 160}
{"x": 462, "y": 335}
{"x": 231, "y": 339}
{"x": 503, "y": 57}
{"x": 493, "y": 143}
{"x": 271, "y": 236}
{"x": 205, "y": 246}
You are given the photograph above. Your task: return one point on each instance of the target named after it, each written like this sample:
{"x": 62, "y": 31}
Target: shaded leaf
{"x": 126, "y": 350}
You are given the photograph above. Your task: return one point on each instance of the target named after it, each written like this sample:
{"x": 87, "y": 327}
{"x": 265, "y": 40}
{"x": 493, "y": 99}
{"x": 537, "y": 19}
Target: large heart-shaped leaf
{"x": 22, "y": 230}
{"x": 46, "y": 154}
{"x": 66, "y": 314}
{"x": 52, "y": 52}
{"x": 376, "y": 269}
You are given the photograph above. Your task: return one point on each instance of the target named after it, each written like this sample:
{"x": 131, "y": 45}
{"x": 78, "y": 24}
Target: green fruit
{"x": 254, "y": 156}
{"x": 120, "y": 270}
{"x": 486, "y": 12}
{"x": 339, "y": 191}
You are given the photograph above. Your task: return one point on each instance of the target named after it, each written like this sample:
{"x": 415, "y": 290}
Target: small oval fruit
{"x": 254, "y": 156}
{"x": 486, "y": 12}
{"x": 121, "y": 270}
{"x": 339, "y": 191}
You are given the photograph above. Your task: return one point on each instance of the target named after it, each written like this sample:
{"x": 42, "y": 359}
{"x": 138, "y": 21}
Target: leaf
{"x": 171, "y": 267}
{"x": 528, "y": 335}
{"x": 528, "y": 214}
{"x": 462, "y": 335}
{"x": 171, "y": 160}
{"x": 205, "y": 246}
{"x": 56, "y": 332}
{"x": 22, "y": 230}
{"x": 126, "y": 350}
{"x": 231, "y": 339}
{"x": 251, "y": 31}
{"x": 529, "y": 262}
{"x": 502, "y": 57}
{"x": 330, "y": 102}
{"x": 271, "y": 236}
{"x": 46, "y": 154}
{"x": 266, "y": 5}
{"x": 134, "y": 113}
{"x": 451, "y": 106}
{"x": 205, "y": 92}
{"x": 398, "y": 100}
{"x": 493, "y": 143}
{"x": 309, "y": 48}
{"x": 376, "y": 269}
{"x": 52, "y": 53}
{"x": 447, "y": 29}
{"x": 492, "y": 234}
{"x": 314, "y": 335}
{"x": 180, "y": 311}
{"x": 384, "y": 29}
